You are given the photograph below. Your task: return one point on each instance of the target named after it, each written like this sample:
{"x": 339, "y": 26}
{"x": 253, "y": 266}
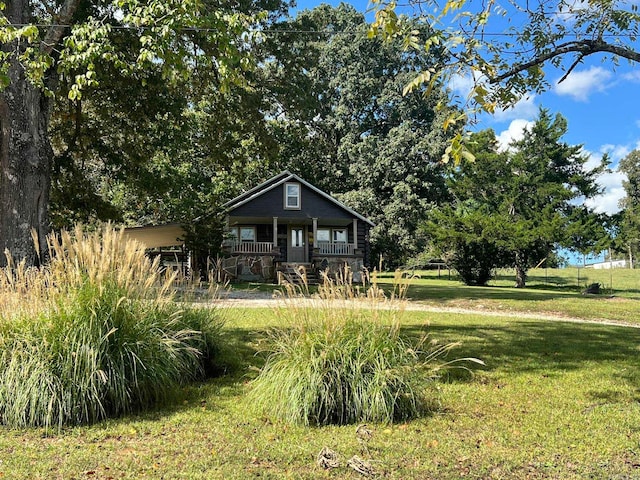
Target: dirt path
{"x": 249, "y": 299}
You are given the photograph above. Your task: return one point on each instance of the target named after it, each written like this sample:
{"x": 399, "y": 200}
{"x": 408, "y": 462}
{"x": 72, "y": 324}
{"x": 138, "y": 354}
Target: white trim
{"x": 298, "y": 197}
{"x": 355, "y": 233}
{"x": 275, "y": 230}
{"x": 314, "y": 229}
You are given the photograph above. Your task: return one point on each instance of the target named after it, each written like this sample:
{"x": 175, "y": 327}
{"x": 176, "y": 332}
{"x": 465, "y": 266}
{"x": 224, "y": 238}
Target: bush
{"x": 344, "y": 361}
{"x": 475, "y": 261}
{"x": 95, "y": 334}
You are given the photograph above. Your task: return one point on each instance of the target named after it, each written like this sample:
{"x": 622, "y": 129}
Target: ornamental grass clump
{"x": 343, "y": 359}
{"x": 95, "y": 333}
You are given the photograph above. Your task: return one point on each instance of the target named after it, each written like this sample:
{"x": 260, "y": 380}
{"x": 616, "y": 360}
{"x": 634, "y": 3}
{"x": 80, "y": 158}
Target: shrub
{"x": 344, "y": 360}
{"x": 94, "y": 334}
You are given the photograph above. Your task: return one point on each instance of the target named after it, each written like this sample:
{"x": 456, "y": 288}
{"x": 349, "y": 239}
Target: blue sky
{"x": 601, "y": 104}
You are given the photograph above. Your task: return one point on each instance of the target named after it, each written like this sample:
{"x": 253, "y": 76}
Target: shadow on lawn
{"x": 532, "y": 346}
{"x": 547, "y": 348}
{"x": 525, "y": 346}
{"x": 460, "y": 292}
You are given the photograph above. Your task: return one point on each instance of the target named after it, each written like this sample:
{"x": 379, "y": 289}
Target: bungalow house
{"x": 285, "y": 222}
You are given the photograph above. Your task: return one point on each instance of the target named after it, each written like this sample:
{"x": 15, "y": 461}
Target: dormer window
{"x": 292, "y": 196}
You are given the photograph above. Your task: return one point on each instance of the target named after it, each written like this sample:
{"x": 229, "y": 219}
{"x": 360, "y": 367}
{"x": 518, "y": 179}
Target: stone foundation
{"x": 334, "y": 265}
{"x": 253, "y": 268}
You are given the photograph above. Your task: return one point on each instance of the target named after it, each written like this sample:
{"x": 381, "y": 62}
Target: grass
{"x": 554, "y": 292}
{"x": 555, "y": 400}
{"x": 95, "y": 333}
{"x": 343, "y": 359}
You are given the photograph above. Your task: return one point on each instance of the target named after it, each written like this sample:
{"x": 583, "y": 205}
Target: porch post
{"x": 315, "y": 232}
{"x": 275, "y": 232}
{"x": 355, "y": 233}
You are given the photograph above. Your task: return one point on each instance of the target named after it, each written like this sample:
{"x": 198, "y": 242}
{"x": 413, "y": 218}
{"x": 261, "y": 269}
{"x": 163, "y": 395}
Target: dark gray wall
{"x": 270, "y": 204}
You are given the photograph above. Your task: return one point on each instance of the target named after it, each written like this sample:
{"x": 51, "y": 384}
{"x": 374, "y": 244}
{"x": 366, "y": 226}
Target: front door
{"x": 296, "y": 253}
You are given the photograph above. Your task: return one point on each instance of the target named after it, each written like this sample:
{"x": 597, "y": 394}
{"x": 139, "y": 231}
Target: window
{"x": 247, "y": 234}
{"x": 233, "y": 234}
{"x": 323, "y": 235}
{"x": 340, "y": 236}
{"x": 297, "y": 237}
{"x": 292, "y": 196}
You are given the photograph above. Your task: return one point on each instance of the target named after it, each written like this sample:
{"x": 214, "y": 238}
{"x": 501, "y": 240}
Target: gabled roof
{"x": 279, "y": 180}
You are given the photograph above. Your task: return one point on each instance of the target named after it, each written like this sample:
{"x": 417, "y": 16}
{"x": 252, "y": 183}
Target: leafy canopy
{"x": 342, "y": 122}
{"x": 503, "y": 46}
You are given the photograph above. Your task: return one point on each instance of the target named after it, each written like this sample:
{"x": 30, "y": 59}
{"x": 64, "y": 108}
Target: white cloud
{"x": 580, "y": 84}
{"x": 524, "y": 108}
{"x": 616, "y": 152}
{"x": 632, "y": 76}
{"x": 613, "y": 193}
{"x": 594, "y": 159}
{"x": 461, "y": 84}
{"x": 513, "y": 133}
{"x": 611, "y": 182}
{"x": 568, "y": 12}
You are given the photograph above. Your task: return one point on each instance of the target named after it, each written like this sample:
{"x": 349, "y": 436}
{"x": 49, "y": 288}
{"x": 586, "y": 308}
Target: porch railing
{"x": 252, "y": 247}
{"x": 336, "y": 248}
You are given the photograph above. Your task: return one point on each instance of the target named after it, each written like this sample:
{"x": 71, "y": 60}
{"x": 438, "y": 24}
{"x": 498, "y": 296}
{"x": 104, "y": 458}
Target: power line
{"x": 300, "y": 32}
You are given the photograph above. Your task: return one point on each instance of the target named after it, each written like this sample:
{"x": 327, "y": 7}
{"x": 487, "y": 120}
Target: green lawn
{"x": 555, "y": 400}
{"x": 548, "y": 292}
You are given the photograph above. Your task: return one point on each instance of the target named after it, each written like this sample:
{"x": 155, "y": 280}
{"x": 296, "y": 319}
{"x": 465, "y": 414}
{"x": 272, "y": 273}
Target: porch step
{"x": 292, "y": 273}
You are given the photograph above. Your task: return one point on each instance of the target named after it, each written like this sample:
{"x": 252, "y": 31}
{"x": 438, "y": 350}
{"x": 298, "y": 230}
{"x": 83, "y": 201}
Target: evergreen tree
{"x": 522, "y": 202}
{"x": 628, "y": 235}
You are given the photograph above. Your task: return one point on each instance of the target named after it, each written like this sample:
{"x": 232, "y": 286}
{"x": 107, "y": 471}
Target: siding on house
{"x": 271, "y": 204}
{"x": 156, "y": 236}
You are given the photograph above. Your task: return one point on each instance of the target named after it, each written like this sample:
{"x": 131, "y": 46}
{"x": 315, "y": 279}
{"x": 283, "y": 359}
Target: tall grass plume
{"x": 94, "y": 333}
{"x": 343, "y": 358}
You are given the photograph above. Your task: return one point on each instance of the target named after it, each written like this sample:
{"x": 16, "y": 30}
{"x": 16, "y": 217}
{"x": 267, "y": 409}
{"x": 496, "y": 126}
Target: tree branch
{"x": 583, "y": 47}
{"x": 571, "y": 68}
{"x": 55, "y": 32}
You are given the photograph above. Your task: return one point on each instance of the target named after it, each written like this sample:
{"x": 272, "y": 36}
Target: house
{"x": 164, "y": 241}
{"x": 607, "y": 264}
{"x": 285, "y": 222}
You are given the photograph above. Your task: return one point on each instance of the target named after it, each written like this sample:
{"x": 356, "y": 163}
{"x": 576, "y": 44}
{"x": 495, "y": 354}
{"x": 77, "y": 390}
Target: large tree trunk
{"x": 25, "y": 159}
{"x": 521, "y": 270}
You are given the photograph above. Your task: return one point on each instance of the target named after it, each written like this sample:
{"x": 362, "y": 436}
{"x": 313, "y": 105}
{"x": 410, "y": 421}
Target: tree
{"x": 628, "y": 235}
{"x": 46, "y": 44}
{"x": 342, "y": 122}
{"x": 520, "y": 203}
{"x": 465, "y": 236}
{"x": 548, "y": 176}
{"x": 503, "y": 45}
